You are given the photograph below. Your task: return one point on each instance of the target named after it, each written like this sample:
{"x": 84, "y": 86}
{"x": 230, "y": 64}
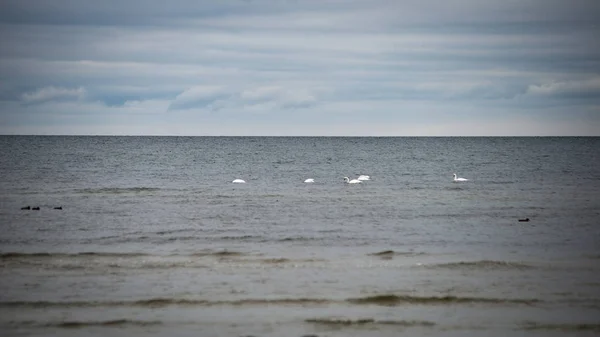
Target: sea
{"x": 148, "y": 236}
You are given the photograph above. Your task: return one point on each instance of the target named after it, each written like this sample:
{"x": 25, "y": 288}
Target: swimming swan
{"x": 239, "y": 181}
{"x": 364, "y": 177}
{"x": 353, "y": 181}
{"x": 310, "y": 180}
{"x": 459, "y": 179}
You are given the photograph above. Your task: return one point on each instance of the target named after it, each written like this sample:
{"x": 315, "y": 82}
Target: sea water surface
{"x": 154, "y": 239}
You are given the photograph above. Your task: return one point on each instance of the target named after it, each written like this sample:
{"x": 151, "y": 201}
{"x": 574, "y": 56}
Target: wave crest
{"x": 363, "y": 321}
{"x": 117, "y": 190}
{"x": 561, "y": 327}
{"x": 483, "y": 264}
{"x": 383, "y": 300}
{"x": 392, "y": 300}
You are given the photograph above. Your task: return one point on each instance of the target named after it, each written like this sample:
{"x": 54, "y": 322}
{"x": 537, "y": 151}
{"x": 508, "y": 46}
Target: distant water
{"x": 154, "y": 239}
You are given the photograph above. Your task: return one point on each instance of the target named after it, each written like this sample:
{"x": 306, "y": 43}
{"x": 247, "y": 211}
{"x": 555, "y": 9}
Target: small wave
{"x": 384, "y": 300}
{"x": 271, "y": 196}
{"x": 106, "y": 266}
{"x": 117, "y": 322}
{"x": 16, "y": 255}
{"x": 384, "y": 252}
{"x": 171, "y": 238}
{"x": 297, "y": 238}
{"x": 561, "y": 327}
{"x": 482, "y": 264}
{"x": 117, "y": 190}
{"x": 150, "y": 265}
{"x": 173, "y": 231}
{"x": 222, "y": 253}
{"x": 390, "y": 253}
{"x": 239, "y": 237}
{"x": 102, "y": 262}
{"x": 286, "y": 260}
{"x": 276, "y": 260}
{"x": 500, "y": 182}
{"x": 224, "y": 196}
{"x": 82, "y": 324}
{"x": 363, "y": 321}
{"x": 162, "y": 302}
{"x": 110, "y": 254}
{"x": 392, "y": 300}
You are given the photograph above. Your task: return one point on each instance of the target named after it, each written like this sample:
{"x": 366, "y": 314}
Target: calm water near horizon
{"x": 153, "y": 238}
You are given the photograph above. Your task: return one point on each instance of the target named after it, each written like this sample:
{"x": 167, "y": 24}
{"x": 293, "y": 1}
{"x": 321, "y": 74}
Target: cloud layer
{"x": 285, "y": 67}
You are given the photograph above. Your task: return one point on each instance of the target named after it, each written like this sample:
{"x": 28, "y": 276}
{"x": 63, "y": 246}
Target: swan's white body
{"x": 310, "y": 180}
{"x": 353, "y": 181}
{"x": 364, "y": 177}
{"x": 459, "y": 179}
{"x": 239, "y": 181}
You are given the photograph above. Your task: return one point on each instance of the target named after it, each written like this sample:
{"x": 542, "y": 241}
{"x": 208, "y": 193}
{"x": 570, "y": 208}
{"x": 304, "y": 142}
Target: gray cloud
{"x": 47, "y": 94}
{"x": 241, "y": 60}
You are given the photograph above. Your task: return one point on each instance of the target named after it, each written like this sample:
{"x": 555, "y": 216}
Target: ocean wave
{"x": 102, "y": 262}
{"x": 15, "y": 255}
{"x": 500, "y": 182}
{"x": 382, "y": 300}
{"x": 391, "y": 253}
{"x": 23, "y": 255}
{"x": 297, "y": 238}
{"x": 239, "y": 237}
{"x": 454, "y": 188}
{"x": 83, "y": 324}
{"x": 161, "y": 302}
{"x": 565, "y": 327}
{"x": 281, "y": 260}
{"x": 221, "y": 253}
{"x": 173, "y": 231}
{"x": 117, "y": 190}
{"x": 482, "y": 264}
{"x": 223, "y": 196}
{"x": 393, "y": 300}
{"x": 365, "y": 321}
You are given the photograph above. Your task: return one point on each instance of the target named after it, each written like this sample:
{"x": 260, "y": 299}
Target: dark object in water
{"x": 28, "y": 207}
{"x": 524, "y": 220}
{"x": 35, "y": 208}
{"x": 59, "y": 207}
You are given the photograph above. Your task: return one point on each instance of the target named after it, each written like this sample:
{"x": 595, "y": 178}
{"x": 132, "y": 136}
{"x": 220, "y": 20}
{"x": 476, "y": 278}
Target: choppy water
{"x": 154, "y": 239}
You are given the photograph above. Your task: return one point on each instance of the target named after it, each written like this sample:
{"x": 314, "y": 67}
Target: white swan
{"x": 239, "y": 181}
{"x": 363, "y": 177}
{"x": 459, "y": 179}
{"x": 310, "y": 180}
{"x": 353, "y": 181}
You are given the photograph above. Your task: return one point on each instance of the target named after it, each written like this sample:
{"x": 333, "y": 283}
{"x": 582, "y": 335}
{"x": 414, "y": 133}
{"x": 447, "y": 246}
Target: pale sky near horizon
{"x": 305, "y": 68}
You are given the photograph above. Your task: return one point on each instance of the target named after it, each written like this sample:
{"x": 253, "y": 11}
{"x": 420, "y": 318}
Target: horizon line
{"x": 304, "y": 136}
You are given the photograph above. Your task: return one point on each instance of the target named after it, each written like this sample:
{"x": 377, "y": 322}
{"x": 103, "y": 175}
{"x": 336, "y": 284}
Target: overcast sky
{"x": 294, "y": 67}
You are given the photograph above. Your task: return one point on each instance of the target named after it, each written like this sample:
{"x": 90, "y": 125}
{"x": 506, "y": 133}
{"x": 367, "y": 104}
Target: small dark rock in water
{"x": 524, "y": 220}
{"x": 60, "y": 207}
{"x": 35, "y": 208}
{"x": 28, "y": 207}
